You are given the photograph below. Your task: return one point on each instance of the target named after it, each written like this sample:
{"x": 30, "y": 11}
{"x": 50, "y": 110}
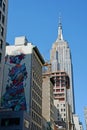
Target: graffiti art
{"x": 14, "y": 96}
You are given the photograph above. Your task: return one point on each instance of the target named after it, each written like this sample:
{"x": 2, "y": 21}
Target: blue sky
{"x": 38, "y": 21}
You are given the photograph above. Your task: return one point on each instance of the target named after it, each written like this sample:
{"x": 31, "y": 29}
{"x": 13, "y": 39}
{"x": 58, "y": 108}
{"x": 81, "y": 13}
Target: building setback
{"x": 22, "y": 87}
{"x": 3, "y": 28}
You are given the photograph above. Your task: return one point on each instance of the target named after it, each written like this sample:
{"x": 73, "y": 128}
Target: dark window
{"x": 3, "y": 7}
{"x": 0, "y": 3}
{"x": 3, "y": 19}
{"x": 1, "y": 43}
{"x": 0, "y": 57}
{"x": 0, "y": 15}
{"x": 10, "y": 121}
{"x": 2, "y": 31}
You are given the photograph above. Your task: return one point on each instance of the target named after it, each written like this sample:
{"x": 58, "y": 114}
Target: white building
{"x": 77, "y": 123}
{"x": 3, "y": 27}
{"x": 22, "y": 86}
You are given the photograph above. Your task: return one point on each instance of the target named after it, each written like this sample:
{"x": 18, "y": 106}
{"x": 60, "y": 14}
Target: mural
{"x": 14, "y": 96}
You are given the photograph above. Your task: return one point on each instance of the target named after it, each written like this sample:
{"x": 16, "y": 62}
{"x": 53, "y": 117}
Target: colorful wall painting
{"x": 14, "y": 96}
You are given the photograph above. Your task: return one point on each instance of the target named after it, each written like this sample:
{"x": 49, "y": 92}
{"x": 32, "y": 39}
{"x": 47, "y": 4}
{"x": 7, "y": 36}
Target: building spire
{"x": 60, "y": 34}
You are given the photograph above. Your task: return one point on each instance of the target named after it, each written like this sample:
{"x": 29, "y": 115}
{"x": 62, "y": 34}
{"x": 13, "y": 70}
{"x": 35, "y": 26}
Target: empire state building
{"x": 60, "y": 57}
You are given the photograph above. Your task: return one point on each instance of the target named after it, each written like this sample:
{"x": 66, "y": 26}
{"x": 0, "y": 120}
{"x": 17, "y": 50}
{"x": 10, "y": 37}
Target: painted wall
{"x": 17, "y": 77}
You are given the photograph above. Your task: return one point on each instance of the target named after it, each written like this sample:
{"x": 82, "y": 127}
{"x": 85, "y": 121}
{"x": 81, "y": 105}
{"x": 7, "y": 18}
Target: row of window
{"x": 37, "y": 77}
{"x": 35, "y": 127}
{"x": 61, "y": 119}
{"x": 36, "y": 118}
{"x": 62, "y": 109}
{"x": 36, "y": 98}
{"x": 59, "y": 94}
{"x": 36, "y": 108}
{"x": 61, "y": 105}
{"x": 37, "y": 89}
{"x": 58, "y": 90}
{"x": 60, "y": 82}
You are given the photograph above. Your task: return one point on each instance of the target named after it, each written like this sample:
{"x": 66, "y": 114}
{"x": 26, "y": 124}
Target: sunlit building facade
{"x": 48, "y": 99}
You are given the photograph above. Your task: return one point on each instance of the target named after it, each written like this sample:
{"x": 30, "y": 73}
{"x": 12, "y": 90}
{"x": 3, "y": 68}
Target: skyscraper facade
{"x": 60, "y": 58}
{"x": 3, "y": 26}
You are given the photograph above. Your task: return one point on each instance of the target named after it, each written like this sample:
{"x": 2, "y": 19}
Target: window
{"x": 62, "y": 90}
{"x": 64, "y": 114}
{"x": 0, "y": 15}
{"x": 3, "y": 19}
{"x": 57, "y": 105}
{"x": 1, "y": 43}
{"x": 57, "y": 90}
{"x": 10, "y": 121}
{"x": 0, "y": 3}
{"x": 61, "y": 109}
{"x": 3, "y": 7}
{"x": 0, "y": 57}
{"x": 2, "y": 31}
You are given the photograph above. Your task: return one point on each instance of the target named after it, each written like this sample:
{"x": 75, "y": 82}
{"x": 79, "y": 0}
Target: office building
{"x": 61, "y": 60}
{"x": 3, "y": 28}
{"x": 47, "y": 99}
{"x": 22, "y": 87}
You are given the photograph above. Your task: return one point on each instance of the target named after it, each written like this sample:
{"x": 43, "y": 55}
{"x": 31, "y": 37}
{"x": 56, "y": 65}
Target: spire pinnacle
{"x": 60, "y": 35}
